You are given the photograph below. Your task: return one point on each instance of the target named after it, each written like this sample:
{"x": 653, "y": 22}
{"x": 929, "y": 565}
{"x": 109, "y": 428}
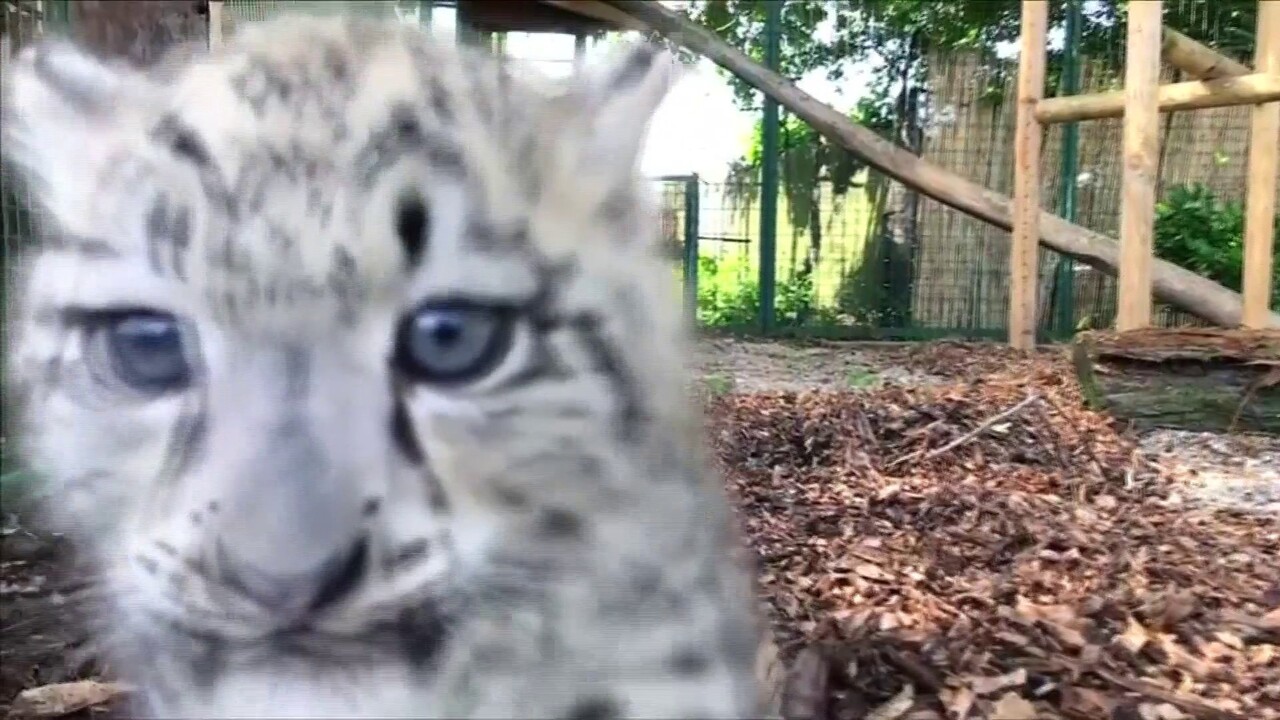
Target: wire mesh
{"x": 21, "y": 22}
{"x": 241, "y": 11}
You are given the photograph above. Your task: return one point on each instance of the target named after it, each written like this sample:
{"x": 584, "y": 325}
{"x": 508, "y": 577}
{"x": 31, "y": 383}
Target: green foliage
{"x": 897, "y": 38}
{"x": 861, "y": 378}
{"x": 729, "y": 295}
{"x": 719, "y": 385}
{"x": 830, "y": 35}
{"x": 1200, "y": 232}
{"x": 824, "y": 35}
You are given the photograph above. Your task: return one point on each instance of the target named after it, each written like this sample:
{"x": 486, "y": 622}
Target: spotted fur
{"x": 541, "y": 542}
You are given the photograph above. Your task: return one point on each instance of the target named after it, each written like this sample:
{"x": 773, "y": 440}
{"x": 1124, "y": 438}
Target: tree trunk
{"x": 1194, "y": 379}
{"x": 1172, "y": 284}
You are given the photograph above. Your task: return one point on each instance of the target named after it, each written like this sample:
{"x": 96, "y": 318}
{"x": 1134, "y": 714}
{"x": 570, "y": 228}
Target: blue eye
{"x": 453, "y": 342}
{"x": 146, "y": 351}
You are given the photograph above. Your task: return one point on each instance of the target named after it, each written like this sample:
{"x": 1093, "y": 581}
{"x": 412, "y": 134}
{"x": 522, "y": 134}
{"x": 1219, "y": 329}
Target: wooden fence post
{"x": 1141, "y": 164}
{"x": 215, "y": 24}
{"x": 1264, "y": 167}
{"x": 1023, "y": 256}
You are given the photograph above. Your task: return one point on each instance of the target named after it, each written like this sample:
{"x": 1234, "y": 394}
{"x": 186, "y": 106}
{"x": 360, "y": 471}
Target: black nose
{"x": 298, "y": 594}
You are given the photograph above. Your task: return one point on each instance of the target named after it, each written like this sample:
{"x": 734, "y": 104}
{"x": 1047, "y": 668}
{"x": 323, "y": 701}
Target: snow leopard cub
{"x": 353, "y": 365}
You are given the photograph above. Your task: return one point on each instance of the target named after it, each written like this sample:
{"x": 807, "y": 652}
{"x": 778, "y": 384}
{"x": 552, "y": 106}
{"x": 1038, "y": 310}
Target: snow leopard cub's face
{"x": 315, "y": 314}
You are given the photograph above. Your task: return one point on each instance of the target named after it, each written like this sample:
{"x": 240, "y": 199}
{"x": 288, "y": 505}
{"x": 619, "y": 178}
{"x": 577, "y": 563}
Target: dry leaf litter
{"x": 990, "y": 549}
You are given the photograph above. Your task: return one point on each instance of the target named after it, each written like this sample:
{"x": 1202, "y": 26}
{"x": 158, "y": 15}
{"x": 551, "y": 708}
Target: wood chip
{"x": 61, "y": 699}
{"x": 896, "y": 706}
{"x": 993, "y": 685}
{"x": 1012, "y": 706}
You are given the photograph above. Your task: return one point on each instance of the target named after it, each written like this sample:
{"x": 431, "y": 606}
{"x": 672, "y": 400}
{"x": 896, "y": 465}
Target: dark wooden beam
{"x": 545, "y": 16}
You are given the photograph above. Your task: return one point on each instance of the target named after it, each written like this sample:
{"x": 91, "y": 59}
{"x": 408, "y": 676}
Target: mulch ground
{"x": 42, "y": 641}
{"x": 990, "y": 549}
{"x": 985, "y": 549}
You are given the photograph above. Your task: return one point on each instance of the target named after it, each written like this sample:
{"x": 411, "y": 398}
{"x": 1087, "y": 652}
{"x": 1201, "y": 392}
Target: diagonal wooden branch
{"x": 969, "y": 436}
{"x": 1197, "y": 60}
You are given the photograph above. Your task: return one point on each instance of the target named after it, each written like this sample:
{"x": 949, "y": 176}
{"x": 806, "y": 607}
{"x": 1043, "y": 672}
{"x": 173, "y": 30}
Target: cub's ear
{"x": 62, "y": 111}
{"x": 611, "y": 102}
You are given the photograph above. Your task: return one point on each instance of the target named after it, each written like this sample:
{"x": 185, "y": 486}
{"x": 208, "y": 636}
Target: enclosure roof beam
{"x": 1199, "y": 94}
{"x": 1199, "y": 61}
{"x": 571, "y": 17}
{"x": 599, "y": 11}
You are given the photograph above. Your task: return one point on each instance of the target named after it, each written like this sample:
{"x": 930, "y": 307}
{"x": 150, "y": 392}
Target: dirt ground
{"x": 858, "y": 496}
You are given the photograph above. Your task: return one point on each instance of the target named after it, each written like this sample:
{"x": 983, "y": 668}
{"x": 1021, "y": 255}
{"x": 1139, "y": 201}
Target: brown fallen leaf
{"x": 888, "y": 621}
{"x": 1173, "y": 654}
{"x": 1088, "y": 703}
{"x": 1133, "y": 637}
{"x": 1012, "y": 706}
{"x": 958, "y": 702}
{"x": 1263, "y": 655}
{"x": 1163, "y": 711}
{"x": 61, "y": 699}
{"x": 888, "y": 492}
{"x": 1089, "y": 655}
{"x": 1068, "y": 636}
{"x": 992, "y": 685}
{"x": 1271, "y": 620}
{"x": 871, "y": 572}
{"x": 896, "y": 706}
{"x": 1172, "y": 608}
{"x": 1060, "y": 620}
{"x": 1229, "y": 639}
{"x": 1059, "y": 614}
{"x": 1013, "y": 638}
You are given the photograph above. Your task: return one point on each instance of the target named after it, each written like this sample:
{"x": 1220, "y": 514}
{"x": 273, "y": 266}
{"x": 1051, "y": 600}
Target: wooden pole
{"x": 1141, "y": 164}
{"x": 1023, "y": 268}
{"x": 215, "y": 24}
{"x": 1264, "y": 168}
{"x": 1198, "y": 94}
{"x": 1196, "y": 60}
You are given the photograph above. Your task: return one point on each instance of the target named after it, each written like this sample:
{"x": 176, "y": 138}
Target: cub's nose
{"x": 301, "y": 593}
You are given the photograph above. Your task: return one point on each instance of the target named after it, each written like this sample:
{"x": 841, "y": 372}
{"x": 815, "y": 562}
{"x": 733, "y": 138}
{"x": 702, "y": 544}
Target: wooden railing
{"x": 1220, "y": 82}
